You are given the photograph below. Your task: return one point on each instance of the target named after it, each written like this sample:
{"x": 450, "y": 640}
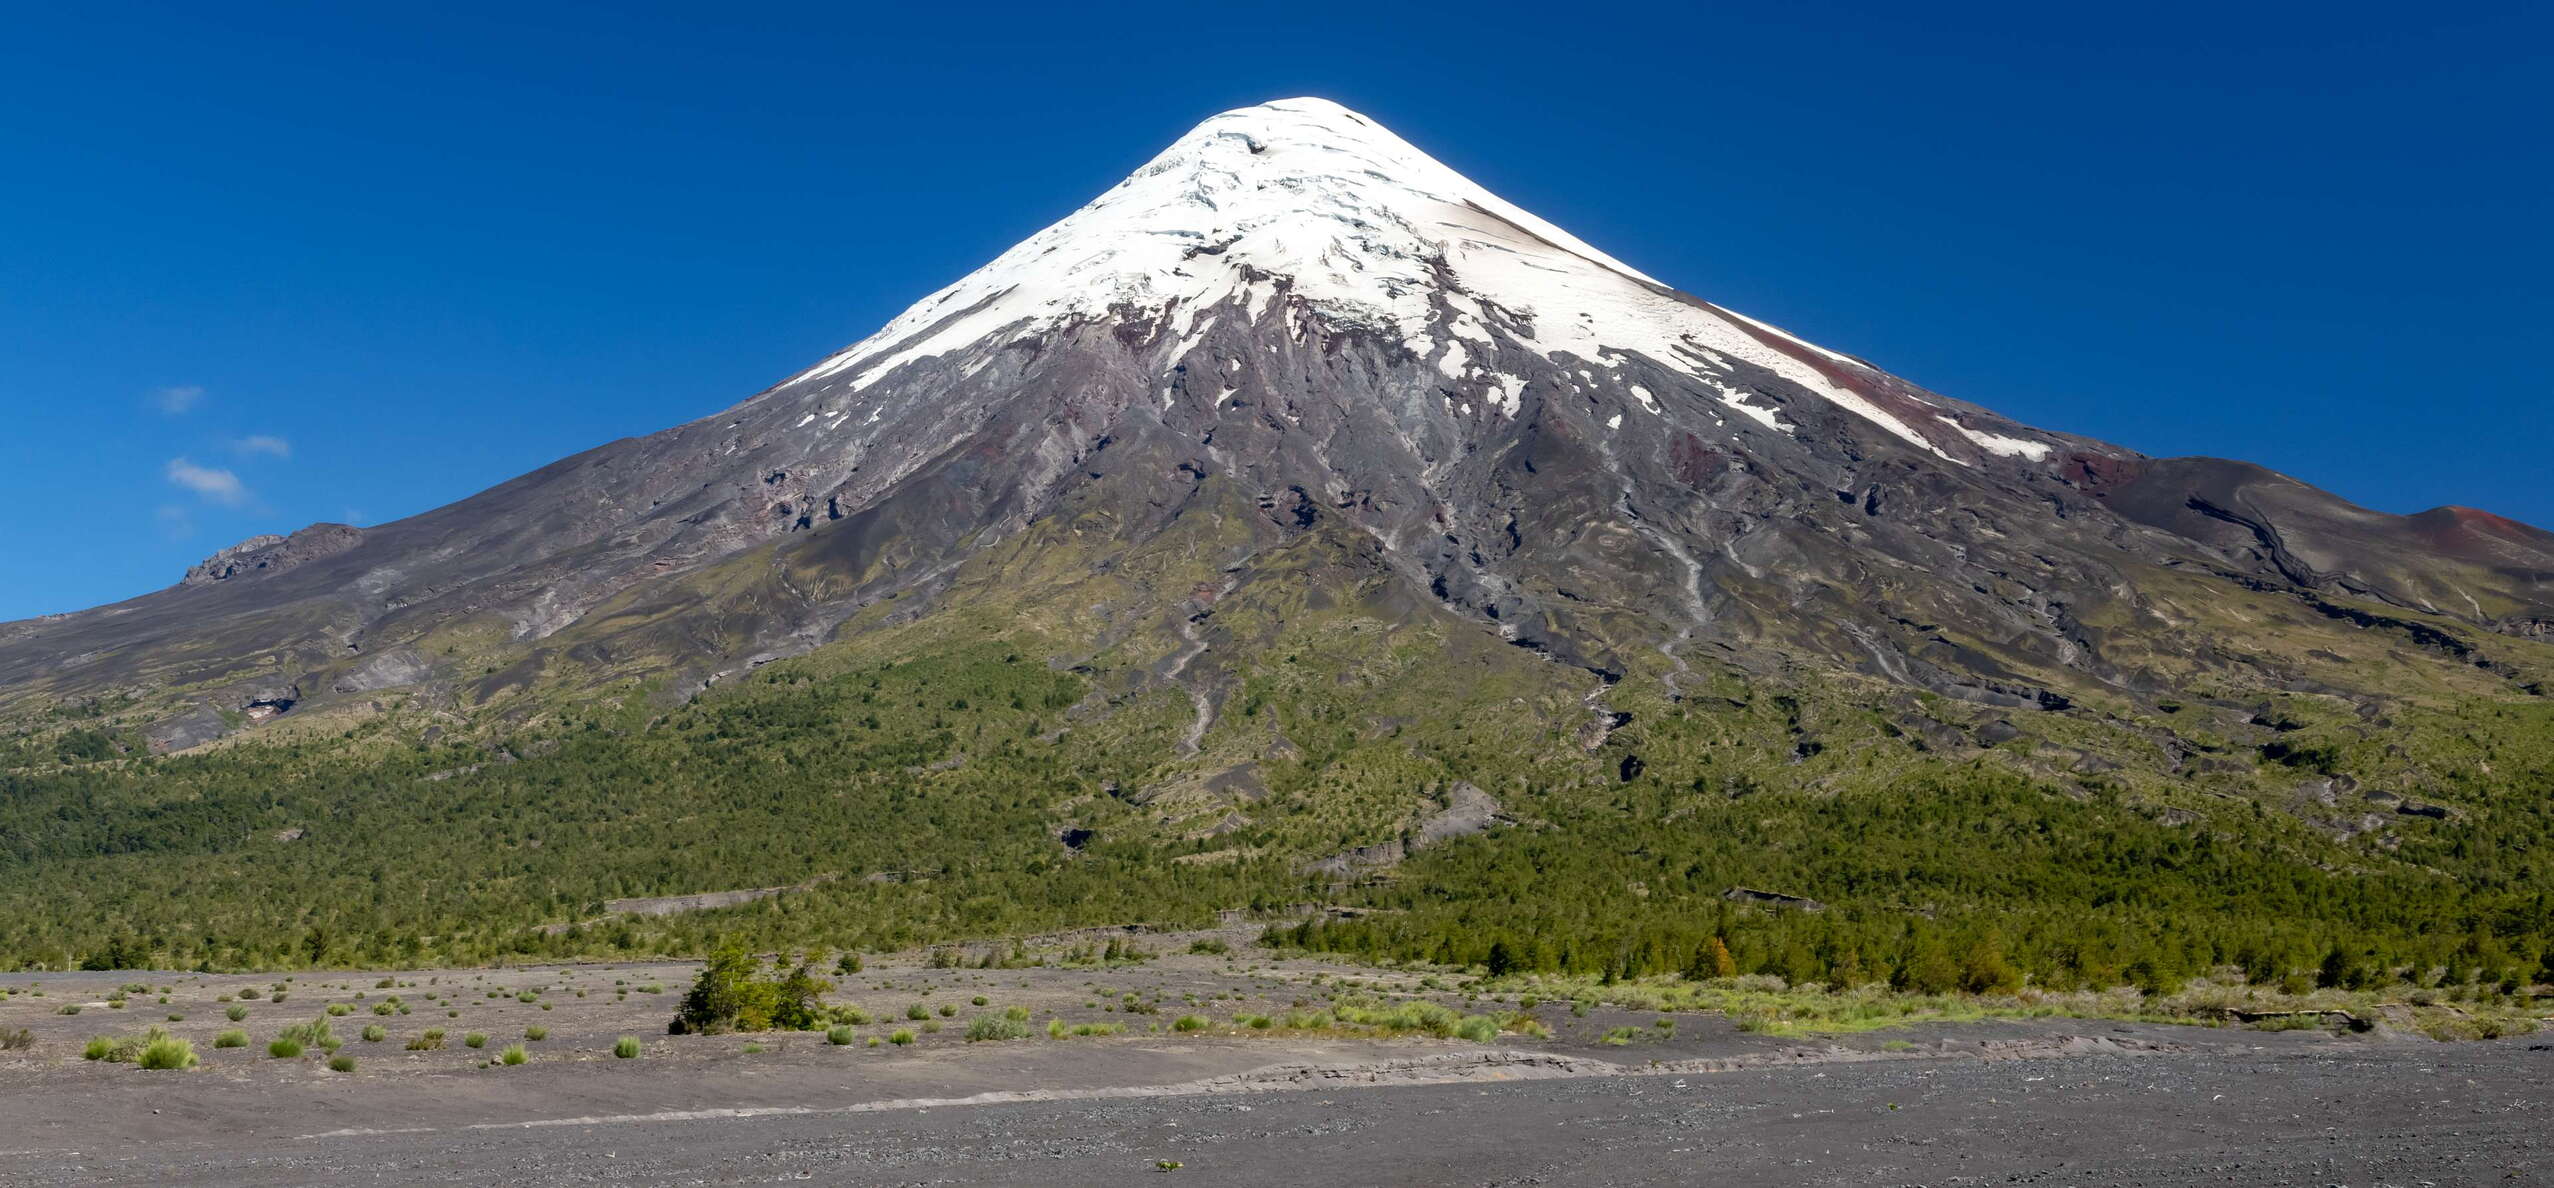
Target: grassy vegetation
{"x": 1766, "y": 1005}
{"x": 913, "y": 783}
{"x": 995, "y": 1027}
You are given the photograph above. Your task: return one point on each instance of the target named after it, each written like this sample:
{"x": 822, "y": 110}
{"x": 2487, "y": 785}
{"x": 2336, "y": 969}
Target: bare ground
{"x": 2049, "y": 1101}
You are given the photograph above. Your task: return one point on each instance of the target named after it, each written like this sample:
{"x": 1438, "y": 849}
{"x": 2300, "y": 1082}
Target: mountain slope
{"x": 1299, "y": 303}
{"x": 1274, "y": 450}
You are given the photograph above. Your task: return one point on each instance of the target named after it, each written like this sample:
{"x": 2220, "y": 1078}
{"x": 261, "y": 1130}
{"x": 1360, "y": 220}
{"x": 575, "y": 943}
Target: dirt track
{"x": 2053, "y": 1102}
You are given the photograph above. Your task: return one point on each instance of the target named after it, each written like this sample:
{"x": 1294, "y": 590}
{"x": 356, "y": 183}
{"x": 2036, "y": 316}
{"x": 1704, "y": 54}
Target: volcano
{"x": 1305, "y": 356}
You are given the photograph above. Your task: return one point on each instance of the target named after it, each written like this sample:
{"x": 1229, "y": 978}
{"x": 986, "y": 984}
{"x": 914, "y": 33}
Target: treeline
{"x": 924, "y": 799}
{"x": 1967, "y": 878}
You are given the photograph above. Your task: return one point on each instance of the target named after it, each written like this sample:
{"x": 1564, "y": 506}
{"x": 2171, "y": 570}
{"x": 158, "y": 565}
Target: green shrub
{"x": 901, "y": 1036}
{"x": 343, "y": 1064}
{"x": 1210, "y": 946}
{"x": 168, "y": 1052}
{"x": 948, "y": 1010}
{"x": 68, "y": 1008}
{"x": 1191, "y": 1023}
{"x": 995, "y": 1027}
{"x": 625, "y": 1048}
{"x": 536, "y": 1034}
{"x": 513, "y": 1054}
{"x": 314, "y": 1034}
{"x": 375, "y": 1034}
{"x": 233, "y": 1038}
{"x": 1016, "y": 1014}
{"x": 99, "y": 1047}
{"x": 427, "y": 1041}
{"x": 474, "y": 1040}
{"x": 284, "y": 1049}
{"x": 728, "y": 996}
{"x": 339, "y": 1010}
{"x": 917, "y": 1011}
{"x": 235, "y": 1013}
{"x": 838, "y": 1036}
{"x": 1480, "y": 1029}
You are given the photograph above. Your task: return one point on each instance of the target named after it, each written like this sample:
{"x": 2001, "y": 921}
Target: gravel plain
{"x": 2059, "y": 1102}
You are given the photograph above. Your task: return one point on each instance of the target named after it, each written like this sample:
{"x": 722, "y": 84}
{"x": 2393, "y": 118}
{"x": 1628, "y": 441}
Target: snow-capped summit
{"x": 1304, "y": 196}
{"x": 1293, "y": 340}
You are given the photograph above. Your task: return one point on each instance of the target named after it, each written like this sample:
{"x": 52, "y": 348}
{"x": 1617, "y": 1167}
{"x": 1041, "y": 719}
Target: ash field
{"x": 1609, "y": 1097}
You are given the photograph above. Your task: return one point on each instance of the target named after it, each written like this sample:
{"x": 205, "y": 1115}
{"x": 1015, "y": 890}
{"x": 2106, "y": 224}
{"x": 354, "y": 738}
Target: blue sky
{"x": 268, "y": 264}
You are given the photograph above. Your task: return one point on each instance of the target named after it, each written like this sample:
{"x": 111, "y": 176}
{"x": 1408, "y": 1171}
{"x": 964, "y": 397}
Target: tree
{"x": 1985, "y": 971}
{"x": 723, "y": 994}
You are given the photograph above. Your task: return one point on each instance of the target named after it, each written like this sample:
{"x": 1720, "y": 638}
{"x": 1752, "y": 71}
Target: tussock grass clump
{"x": 996, "y": 1027}
{"x": 167, "y": 1052}
{"x": 341, "y": 1063}
{"x": 625, "y": 1048}
{"x": 917, "y": 1011}
{"x": 235, "y": 1012}
{"x": 838, "y": 1036}
{"x": 375, "y": 1034}
{"x": 232, "y": 1038}
{"x": 284, "y": 1049}
{"x": 428, "y": 1041}
{"x": 513, "y": 1054}
{"x": 900, "y": 1036}
{"x": 15, "y": 1039}
{"x": 1191, "y": 1023}
{"x": 536, "y": 1034}
{"x": 474, "y": 1040}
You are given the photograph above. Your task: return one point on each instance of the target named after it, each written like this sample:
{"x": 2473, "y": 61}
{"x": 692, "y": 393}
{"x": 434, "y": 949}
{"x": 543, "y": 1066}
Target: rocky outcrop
{"x": 1468, "y": 810}
{"x": 1773, "y": 899}
{"x": 259, "y": 556}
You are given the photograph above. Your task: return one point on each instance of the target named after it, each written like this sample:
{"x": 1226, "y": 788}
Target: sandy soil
{"x": 2056, "y": 1102}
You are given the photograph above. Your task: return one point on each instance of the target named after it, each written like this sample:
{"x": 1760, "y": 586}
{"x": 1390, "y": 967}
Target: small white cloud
{"x": 263, "y": 443}
{"x": 220, "y": 486}
{"x": 176, "y": 400}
